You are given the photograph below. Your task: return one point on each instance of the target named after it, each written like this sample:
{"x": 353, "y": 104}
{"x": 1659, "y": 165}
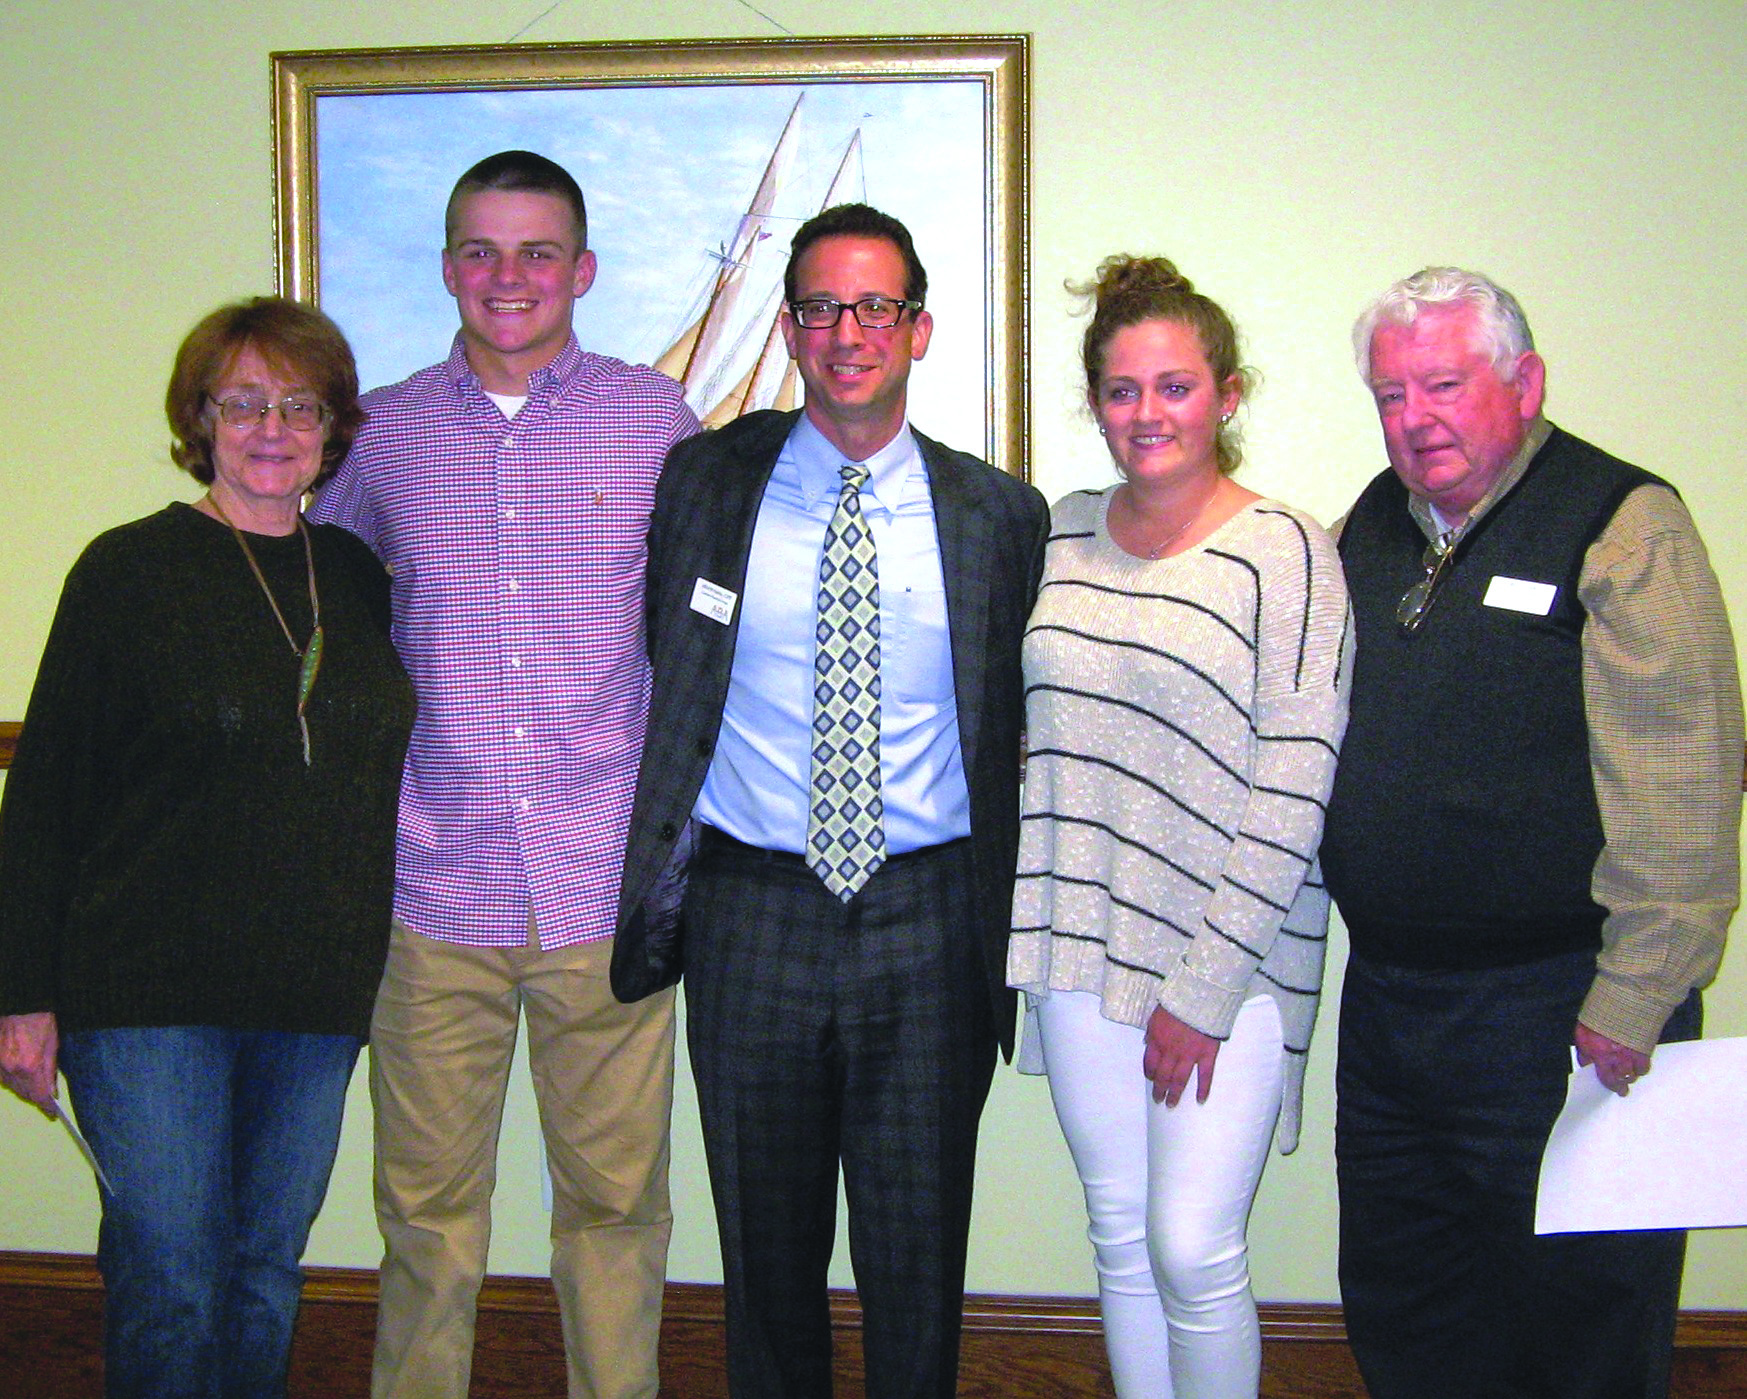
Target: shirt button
{"x": 509, "y": 512}
{"x": 524, "y": 803}
{"x": 519, "y": 731}
{"x": 513, "y": 586}
{"x": 516, "y": 661}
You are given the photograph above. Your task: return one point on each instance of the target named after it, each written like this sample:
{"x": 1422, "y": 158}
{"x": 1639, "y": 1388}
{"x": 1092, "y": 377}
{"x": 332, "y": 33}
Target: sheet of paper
{"x": 84, "y": 1146}
{"x": 1670, "y": 1155}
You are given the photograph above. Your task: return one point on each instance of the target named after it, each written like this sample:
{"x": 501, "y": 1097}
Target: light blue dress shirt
{"x": 758, "y": 783}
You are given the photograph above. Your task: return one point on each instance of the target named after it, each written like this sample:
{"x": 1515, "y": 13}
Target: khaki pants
{"x": 441, "y": 1043}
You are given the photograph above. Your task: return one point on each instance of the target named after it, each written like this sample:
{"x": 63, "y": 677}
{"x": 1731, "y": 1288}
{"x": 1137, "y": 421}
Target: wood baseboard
{"x": 1014, "y": 1347}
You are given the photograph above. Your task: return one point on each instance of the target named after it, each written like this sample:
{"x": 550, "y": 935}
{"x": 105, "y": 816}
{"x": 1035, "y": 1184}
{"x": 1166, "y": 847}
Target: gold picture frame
{"x": 983, "y": 78}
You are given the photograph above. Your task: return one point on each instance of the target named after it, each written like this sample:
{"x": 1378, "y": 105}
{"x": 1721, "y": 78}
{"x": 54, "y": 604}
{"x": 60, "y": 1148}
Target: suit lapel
{"x": 722, "y": 529}
{"x": 966, "y": 536}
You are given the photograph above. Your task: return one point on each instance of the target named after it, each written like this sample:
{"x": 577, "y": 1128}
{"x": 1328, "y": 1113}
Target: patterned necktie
{"x": 846, "y": 839}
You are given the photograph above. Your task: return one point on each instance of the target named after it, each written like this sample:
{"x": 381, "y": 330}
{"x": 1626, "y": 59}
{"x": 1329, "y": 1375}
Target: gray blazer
{"x": 992, "y": 529}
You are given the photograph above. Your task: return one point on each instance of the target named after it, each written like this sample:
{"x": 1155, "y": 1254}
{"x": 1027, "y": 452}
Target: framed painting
{"x": 698, "y": 160}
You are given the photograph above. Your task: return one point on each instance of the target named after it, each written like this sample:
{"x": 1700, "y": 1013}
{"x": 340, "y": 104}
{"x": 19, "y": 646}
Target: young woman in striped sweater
{"x": 1185, "y": 673}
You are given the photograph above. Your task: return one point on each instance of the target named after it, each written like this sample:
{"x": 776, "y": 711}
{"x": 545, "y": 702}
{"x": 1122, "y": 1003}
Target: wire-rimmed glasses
{"x": 298, "y": 412}
{"x": 1417, "y": 600}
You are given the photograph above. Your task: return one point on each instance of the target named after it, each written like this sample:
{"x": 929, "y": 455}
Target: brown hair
{"x": 301, "y": 345}
{"x": 857, "y": 221}
{"x": 519, "y": 172}
{"x": 1128, "y": 290}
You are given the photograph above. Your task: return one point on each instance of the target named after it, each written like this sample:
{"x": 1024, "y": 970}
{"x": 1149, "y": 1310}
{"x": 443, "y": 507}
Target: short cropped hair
{"x": 1504, "y": 329}
{"x": 1128, "y": 290}
{"x": 298, "y": 342}
{"x": 520, "y": 172}
{"x": 857, "y": 221}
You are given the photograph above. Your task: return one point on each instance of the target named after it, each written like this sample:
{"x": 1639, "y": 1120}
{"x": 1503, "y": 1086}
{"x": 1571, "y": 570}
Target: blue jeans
{"x": 218, "y": 1144}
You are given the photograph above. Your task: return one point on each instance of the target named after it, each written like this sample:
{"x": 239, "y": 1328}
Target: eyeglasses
{"x": 1417, "y": 600}
{"x": 247, "y": 409}
{"x": 871, "y": 312}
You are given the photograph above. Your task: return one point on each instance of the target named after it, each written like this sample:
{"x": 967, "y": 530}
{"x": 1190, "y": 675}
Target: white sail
{"x": 744, "y": 309}
{"x": 697, "y": 356}
{"x": 849, "y": 184}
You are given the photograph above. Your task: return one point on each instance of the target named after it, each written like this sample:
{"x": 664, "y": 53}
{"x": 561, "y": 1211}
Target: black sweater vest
{"x": 1462, "y": 830}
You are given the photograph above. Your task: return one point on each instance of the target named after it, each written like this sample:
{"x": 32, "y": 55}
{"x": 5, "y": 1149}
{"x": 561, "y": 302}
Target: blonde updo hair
{"x": 1129, "y": 290}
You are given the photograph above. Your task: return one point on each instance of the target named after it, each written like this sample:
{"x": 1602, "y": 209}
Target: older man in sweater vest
{"x": 1533, "y": 841}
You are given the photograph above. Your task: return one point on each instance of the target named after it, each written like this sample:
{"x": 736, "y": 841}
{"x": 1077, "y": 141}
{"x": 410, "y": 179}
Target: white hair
{"x": 1504, "y": 330}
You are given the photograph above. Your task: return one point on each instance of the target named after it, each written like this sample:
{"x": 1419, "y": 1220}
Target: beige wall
{"x": 1292, "y": 158}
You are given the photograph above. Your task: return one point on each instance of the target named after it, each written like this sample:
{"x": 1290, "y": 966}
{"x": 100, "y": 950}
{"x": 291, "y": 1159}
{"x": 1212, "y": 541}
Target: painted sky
{"x": 667, "y": 172}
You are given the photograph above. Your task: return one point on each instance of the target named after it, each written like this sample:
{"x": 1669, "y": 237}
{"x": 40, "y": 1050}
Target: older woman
{"x": 196, "y": 858}
{"x": 1185, "y": 699}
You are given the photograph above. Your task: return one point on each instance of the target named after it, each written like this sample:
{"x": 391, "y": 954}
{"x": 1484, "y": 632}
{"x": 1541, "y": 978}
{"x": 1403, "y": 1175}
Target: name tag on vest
{"x": 1520, "y": 595}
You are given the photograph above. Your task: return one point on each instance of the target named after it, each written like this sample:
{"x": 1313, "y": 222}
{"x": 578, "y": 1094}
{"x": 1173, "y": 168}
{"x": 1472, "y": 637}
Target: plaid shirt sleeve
{"x": 1663, "y": 703}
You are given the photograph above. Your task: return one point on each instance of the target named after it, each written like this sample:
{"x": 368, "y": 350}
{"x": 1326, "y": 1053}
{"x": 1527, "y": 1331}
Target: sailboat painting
{"x": 694, "y": 192}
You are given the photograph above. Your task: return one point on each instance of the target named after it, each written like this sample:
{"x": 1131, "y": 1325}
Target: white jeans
{"x": 1168, "y": 1191}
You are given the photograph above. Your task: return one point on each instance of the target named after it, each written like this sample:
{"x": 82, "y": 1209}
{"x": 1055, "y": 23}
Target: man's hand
{"x": 1615, "y": 1065}
{"x": 1173, "y": 1050}
{"x": 29, "y": 1047}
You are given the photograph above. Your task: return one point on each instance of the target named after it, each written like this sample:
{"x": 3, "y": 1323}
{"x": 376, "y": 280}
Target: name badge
{"x": 1520, "y": 595}
{"x": 714, "y": 601}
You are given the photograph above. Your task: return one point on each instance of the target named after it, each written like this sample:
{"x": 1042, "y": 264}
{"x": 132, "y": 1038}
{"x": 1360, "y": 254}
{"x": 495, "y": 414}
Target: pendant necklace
{"x": 1176, "y": 534}
{"x": 309, "y": 654}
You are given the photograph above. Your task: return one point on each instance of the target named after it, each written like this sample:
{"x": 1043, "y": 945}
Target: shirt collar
{"x": 1536, "y": 438}
{"x": 817, "y": 462}
{"x": 563, "y": 367}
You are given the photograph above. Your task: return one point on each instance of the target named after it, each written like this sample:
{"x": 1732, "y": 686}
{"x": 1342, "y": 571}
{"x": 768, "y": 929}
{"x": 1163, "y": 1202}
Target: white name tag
{"x": 1520, "y": 595}
{"x": 713, "y": 600}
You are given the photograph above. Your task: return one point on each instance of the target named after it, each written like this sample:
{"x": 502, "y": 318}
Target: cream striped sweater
{"x": 1183, "y": 719}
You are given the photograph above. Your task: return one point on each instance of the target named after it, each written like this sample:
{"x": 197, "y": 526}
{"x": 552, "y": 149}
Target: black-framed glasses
{"x": 299, "y": 413}
{"x": 871, "y": 312}
{"x": 1417, "y": 600}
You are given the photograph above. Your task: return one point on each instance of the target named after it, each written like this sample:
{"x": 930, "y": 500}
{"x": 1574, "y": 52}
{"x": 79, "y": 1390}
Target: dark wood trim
{"x": 71, "y": 1272}
{"x": 1014, "y": 1347}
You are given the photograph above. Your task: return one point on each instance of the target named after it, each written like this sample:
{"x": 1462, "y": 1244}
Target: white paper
{"x": 1520, "y": 595}
{"x": 1670, "y": 1155}
{"x": 83, "y": 1145}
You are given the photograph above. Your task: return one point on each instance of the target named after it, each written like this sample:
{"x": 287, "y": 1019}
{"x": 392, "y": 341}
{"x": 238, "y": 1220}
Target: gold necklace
{"x": 310, "y": 654}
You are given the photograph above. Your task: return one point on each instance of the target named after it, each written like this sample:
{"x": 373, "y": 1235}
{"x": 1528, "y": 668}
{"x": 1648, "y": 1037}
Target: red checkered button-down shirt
{"x": 517, "y": 548}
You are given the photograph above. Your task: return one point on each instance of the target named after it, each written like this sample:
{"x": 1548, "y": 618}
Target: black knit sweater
{"x": 1463, "y": 830}
{"x": 166, "y": 857}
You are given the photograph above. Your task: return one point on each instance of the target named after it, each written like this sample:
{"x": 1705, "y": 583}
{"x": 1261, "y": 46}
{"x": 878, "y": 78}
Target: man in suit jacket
{"x": 846, "y": 991}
